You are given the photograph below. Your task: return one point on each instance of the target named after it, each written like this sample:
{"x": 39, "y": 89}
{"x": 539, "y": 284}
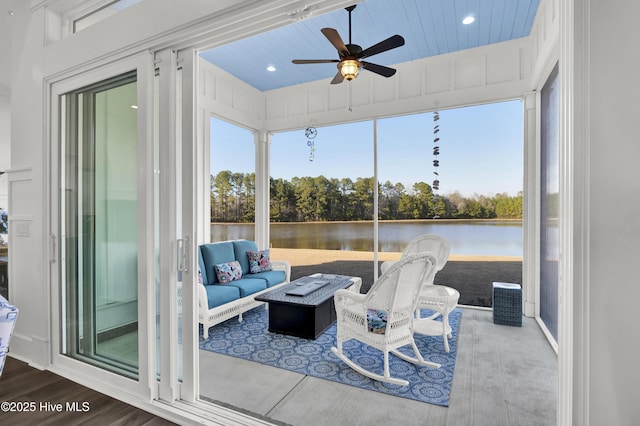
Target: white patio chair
{"x": 383, "y": 318}
{"x": 426, "y": 242}
{"x": 442, "y": 300}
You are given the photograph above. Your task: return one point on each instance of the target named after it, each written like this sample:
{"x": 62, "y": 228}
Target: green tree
{"x": 424, "y": 199}
{"x": 249, "y": 184}
{"x": 237, "y": 186}
{"x": 389, "y": 200}
{"x": 222, "y": 189}
{"x": 408, "y": 207}
{"x": 283, "y": 201}
{"x": 346, "y": 190}
{"x": 306, "y": 198}
{"x": 508, "y": 207}
{"x": 334, "y": 199}
{"x": 321, "y": 199}
{"x": 363, "y": 198}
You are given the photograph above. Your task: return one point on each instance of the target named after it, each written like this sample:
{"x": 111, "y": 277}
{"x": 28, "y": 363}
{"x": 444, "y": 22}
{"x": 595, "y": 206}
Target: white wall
{"x": 224, "y": 96}
{"x": 545, "y": 34}
{"x": 607, "y": 88}
{"x": 486, "y": 74}
{"x": 27, "y": 267}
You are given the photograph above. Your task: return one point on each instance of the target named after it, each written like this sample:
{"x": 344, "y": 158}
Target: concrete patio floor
{"x": 503, "y": 376}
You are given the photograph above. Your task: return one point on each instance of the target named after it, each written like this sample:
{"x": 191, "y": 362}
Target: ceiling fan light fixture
{"x": 349, "y": 68}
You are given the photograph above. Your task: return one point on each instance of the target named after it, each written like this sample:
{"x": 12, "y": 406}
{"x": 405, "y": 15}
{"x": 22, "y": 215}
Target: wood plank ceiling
{"x": 430, "y": 27}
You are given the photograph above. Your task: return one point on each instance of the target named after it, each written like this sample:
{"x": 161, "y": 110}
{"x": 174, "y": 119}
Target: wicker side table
{"x": 442, "y": 300}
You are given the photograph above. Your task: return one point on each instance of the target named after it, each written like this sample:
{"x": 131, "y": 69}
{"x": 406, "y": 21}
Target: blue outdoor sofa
{"x": 217, "y": 302}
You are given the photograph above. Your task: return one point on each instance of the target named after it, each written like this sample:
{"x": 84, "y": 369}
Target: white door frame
{"x": 76, "y": 370}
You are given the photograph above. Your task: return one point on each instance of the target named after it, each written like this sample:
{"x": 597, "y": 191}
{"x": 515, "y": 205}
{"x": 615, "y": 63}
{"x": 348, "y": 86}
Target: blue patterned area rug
{"x": 251, "y": 340}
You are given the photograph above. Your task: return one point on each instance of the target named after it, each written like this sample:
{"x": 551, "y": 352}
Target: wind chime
{"x": 436, "y": 152}
{"x": 311, "y": 133}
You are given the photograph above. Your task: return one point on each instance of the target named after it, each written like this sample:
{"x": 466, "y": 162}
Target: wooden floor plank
{"x": 21, "y": 383}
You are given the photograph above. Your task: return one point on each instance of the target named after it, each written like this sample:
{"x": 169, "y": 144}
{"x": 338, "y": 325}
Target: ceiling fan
{"x": 350, "y": 55}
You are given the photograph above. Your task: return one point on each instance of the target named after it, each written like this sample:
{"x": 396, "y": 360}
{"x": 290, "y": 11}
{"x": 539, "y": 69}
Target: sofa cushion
{"x": 240, "y": 248}
{"x": 214, "y": 254}
{"x": 271, "y": 277}
{"x": 258, "y": 261}
{"x": 202, "y": 273}
{"x": 227, "y": 272}
{"x": 220, "y": 294}
{"x": 248, "y": 286}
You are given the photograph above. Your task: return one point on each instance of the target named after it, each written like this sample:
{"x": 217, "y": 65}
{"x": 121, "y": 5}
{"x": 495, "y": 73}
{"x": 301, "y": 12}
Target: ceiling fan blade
{"x": 378, "y": 69}
{"x": 388, "y": 44}
{"x": 337, "y": 79}
{"x": 314, "y": 61}
{"x": 335, "y": 39}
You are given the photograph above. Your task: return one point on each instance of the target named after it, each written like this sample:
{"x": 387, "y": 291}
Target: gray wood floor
{"x": 504, "y": 376}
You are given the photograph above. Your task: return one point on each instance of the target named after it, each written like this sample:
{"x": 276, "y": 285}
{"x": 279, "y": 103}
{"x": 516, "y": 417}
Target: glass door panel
{"x": 549, "y": 202}
{"x": 100, "y": 221}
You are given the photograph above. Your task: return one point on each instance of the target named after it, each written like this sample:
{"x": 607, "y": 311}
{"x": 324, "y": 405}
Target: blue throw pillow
{"x": 227, "y": 272}
{"x": 259, "y": 261}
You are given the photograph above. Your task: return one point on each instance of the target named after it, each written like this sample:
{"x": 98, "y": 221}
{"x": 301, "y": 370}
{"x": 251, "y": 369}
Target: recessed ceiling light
{"x": 468, "y": 20}
{"x": 271, "y": 68}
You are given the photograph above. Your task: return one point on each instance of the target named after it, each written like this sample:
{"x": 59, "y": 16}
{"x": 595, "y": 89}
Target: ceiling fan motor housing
{"x": 354, "y": 49}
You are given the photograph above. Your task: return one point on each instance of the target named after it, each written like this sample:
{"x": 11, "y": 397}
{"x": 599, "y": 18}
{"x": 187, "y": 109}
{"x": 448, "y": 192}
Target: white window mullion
{"x": 168, "y": 242}
{"x": 188, "y": 63}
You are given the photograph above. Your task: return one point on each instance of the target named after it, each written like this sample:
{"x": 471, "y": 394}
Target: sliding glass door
{"x": 102, "y": 221}
{"x": 549, "y": 202}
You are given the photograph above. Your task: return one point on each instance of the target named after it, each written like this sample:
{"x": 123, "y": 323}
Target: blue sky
{"x": 481, "y": 150}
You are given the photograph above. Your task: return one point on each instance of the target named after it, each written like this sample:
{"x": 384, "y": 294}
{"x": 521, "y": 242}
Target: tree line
{"x": 305, "y": 199}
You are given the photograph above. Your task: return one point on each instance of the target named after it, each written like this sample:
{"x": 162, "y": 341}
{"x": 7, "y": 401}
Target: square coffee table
{"x": 306, "y": 316}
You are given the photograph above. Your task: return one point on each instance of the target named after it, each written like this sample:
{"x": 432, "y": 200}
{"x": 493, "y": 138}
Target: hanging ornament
{"x": 436, "y": 152}
{"x": 311, "y": 133}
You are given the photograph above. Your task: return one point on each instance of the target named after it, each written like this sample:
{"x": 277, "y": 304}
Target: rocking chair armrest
{"x": 344, "y": 296}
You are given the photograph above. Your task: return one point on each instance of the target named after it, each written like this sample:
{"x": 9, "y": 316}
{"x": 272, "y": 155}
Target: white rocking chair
{"x": 391, "y": 300}
{"x": 426, "y": 242}
{"x": 441, "y": 300}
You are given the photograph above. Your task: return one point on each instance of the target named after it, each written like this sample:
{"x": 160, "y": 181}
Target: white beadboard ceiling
{"x": 429, "y": 27}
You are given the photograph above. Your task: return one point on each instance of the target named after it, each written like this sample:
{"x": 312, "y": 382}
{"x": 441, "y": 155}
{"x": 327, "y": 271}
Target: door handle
{"x": 183, "y": 254}
{"x": 53, "y": 249}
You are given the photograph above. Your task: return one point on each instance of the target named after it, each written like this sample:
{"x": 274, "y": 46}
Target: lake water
{"x": 486, "y": 238}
